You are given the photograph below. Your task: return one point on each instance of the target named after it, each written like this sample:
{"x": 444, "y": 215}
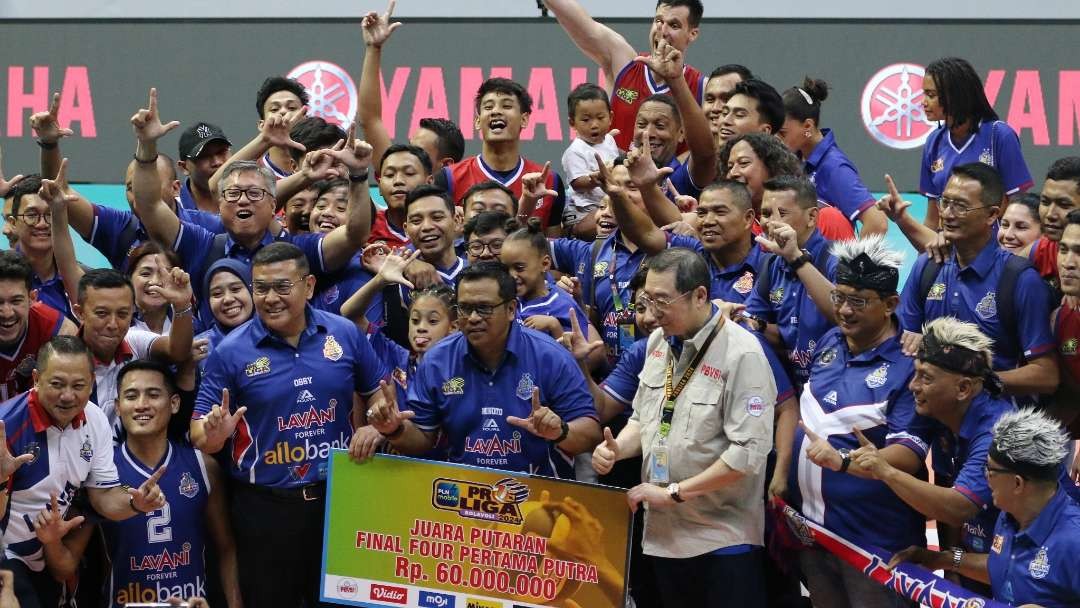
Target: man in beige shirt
{"x": 703, "y": 417}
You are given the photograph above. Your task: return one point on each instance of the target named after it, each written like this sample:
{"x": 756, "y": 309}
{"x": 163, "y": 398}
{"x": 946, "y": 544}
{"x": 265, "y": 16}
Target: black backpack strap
{"x": 589, "y": 274}
{"x": 764, "y": 270}
{"x": 1008, "y": 342}
{"x": 217, "y": 249}
{"x": 926, "y": 279}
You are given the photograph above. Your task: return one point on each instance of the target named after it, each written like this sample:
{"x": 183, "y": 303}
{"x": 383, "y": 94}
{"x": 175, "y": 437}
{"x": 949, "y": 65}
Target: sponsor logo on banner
{"x": 430, "y": 599}
{"x": 331, "y": 91}
{"x": 892, "y": 109}
{"x": 473, "y": 500}
{"x": 348, "y": 587}
{"x": 474, "y": 602}
{"x": 389, "y": 593}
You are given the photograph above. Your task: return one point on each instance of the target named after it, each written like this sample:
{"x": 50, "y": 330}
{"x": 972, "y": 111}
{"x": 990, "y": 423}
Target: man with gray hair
{"x": 703, "y": 417}
{"x": 246, "y": 191}
{"x": 1037, "y": 537}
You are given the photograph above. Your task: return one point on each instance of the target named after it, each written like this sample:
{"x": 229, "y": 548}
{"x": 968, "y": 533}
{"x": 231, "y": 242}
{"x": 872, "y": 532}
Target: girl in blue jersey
{"x": 228, "y": 287}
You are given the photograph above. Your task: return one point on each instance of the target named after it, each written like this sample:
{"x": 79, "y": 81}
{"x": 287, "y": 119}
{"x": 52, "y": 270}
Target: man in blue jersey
{"x": 483, "y": 388}
{"x": 32, "y": 225}
{"x": 52, "y": 443}
{"x": 970, "y": 283}
{"x": 291, "y": 373}
{"x": 203, "y": 149}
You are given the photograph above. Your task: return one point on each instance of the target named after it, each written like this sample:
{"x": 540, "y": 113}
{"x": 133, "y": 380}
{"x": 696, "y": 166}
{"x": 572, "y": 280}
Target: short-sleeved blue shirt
{"x": 299, "y": 399}
{"x": 337, "y": 287}
{"x": 732, "y": 283}
{"x": 115, "y": 233}
{"x": 1037, "y": 565}
{"x": 558, "y": 304}
{"x": 836, "y": 179}
{"x": 867, "y": 391}
{"x": 994, "y": 144}
{"x": 788, "y": 305}
{"x": 453, "y": 392}
{"x": 971, "y": 293}
{"x": 681, "y": 180}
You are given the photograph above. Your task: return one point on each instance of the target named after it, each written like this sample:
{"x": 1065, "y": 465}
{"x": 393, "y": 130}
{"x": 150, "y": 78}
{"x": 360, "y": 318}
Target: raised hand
{"x": 642, "y": 167}
{"x": 421, "y": 274}
{"x": 665, "y": 61}
{"x": 534, "y": 185}
{"x": 939, "y": 248}
{"x": 220, "y": 422}
{"x": 148, "y": 497}
{"x": 910, "y": 343}
{"x": 354, "y": 153}
{"x": 319, "y": 165}
{"x": 200, "y": 349}
{"x": 386, "y": 417}
{"x": 51, "y": 526}
{"x": 681, "y": 227}
{"x": 892, "y": 204}
{"x": 377, "y": 28}
{"x": 46, "y": 126}
{"x": 606, "y": 454}
{"x": 147, "y": 122}
{"x": 276, "y": 128}
{"x": 576, "y": 342}
{"x": 8, "y": 463}
{"x": 542, "y": 421}
{"x": 393, "y": 267}
{"x": 820, "y": 451}
{"x": 176, "y": 288}
{"x": 782, "y": 240}
{"x": 6, "y": 184}
{"x": 53, "y": 191}
{"x": 374, "y": 256}
{"x": 365, "y": 442}
{"x": 545, "y": 323}
{"x": 868, "y": 458}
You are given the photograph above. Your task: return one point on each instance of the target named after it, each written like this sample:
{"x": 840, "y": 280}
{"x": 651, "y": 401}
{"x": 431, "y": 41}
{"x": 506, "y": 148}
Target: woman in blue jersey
{"x": 968, "y": 131}
{"x": 228, "y": 287}
{"x": 834, "y": 174}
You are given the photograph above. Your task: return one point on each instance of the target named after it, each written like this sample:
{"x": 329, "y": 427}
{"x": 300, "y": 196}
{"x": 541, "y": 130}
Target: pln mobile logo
{"x": 892, "y": 109}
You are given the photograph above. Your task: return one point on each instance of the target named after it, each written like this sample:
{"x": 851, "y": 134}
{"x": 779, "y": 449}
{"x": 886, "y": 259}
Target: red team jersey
{"x": 633, "y": 85}
{"x": 473, "y": 170}
{"x": 16, "y": 364}
{"x": 1067, "y": 337}
{"x": 382, "y": 230}
{"x": 1044, "y": 257}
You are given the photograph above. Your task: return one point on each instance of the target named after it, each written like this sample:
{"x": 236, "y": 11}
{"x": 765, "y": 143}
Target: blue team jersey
{"x": 970, "y": 294}
{"x": 299, "y": 399}
{"x": 160, "y": 554}
{"x": 836, "y": 179}
{"x": 959, "y": 459}
{"x": 732, "y": 283}
{"x": 994, "y": 144}
{"x": 116, "y": 233}
{"x": 448, "y": 275}
{"x": 337, "y": 287}
{"x": 868, "y": 391}
{"x": 557, "y": 303}
{"x": 51, "y": 292}
{"x": 452, "y": 392}
{"x": 681, "y": 180}
{"x": 1037, "y": 565}
{"x": 610, "y": 274}
{"x": 788, "y": 305}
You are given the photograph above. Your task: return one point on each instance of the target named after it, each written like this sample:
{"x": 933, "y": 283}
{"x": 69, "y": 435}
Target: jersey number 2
{"x": 158, "y": 529}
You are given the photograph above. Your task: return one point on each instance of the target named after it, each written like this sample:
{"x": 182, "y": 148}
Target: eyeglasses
{"x": 464, "y": 311}
{"x": 659, "y": 305}
{"x": 31, "y": 218}
{"x": 233, "y": 195}
{"x": 959, "y": 208}
{"x": 281, "y": 287}
{"x": 988, "y": 470}
{"x": 855, "y": 303}
{"x": 478, "y": 247}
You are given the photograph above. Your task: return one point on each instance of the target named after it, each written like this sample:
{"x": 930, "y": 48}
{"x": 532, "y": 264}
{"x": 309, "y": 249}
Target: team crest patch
{"x": 827, "y": 357}
{"x": 454, "y": 386}
{"x": 188, "y": 486}
{"x": 34, "y": 450}
{"x": 755, "y": 405}
{"x": 258, "y": 367}
{"x": 777, "y": 295}
{"x": 400, "y": 377}
{"x": 331, "y": 294}
{"x": 627, "y": 95}
{"x": 599, "y": 269}
{"x": 331, "y": 349}
{"x": 525, "y": 387}
{"x": 87, "y": 450}
{"x": 975, "y": 602}
{"x": 26, "y": 366}
{"x": 938, "y": 165}
{"x": 878, "y": 377}
{"x": 937, "y": 292}
{"x": 986, "y": 157}
{"x": 999, "y": 542}
{"x": 1069, "y": 346}
{"x": 745, "y": 283}
{"x": 1040, "y": 566}
{"x": 987, "y": 307}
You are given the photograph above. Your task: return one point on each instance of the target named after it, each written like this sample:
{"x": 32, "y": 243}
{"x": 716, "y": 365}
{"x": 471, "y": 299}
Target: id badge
{"x": 658, "y": 472}
{"x": 626, "y": 336}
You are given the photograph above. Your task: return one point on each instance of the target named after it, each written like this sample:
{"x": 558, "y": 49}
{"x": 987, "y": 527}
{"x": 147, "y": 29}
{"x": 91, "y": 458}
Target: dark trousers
{"x": 279, "y": 546}
{"x": 33, "y": 589}
{"x": 712, "y": 581}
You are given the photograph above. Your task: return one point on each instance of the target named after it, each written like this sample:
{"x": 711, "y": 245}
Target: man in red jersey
{"x": 25, "y": 325}
{"x": 1060, "y": 195}
{"x": 630, "y": 82}
{"x": 1066, "y": 325}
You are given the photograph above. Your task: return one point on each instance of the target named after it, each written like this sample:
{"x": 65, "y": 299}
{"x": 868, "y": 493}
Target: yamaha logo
{"x": 892, "y": 107}
{"x": 332, "y": 94}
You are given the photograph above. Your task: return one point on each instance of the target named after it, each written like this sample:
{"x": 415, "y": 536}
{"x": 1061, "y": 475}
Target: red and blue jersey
{"x": 459, "y": 177}
{"x": 786, "y": 303}
{"x": 453, "y": 392}
{"x": 17, "y": 362}
{"x": 117, "y": 233}
{"x": 158, "y": 555}
{"x": 1037, "y": 565}
{"x": 970, "y": 294}
{"x": 959, "y": 459}
{"x": 557, "y": 303}
{"x": 867, "y": 391}
{"x": 383, "y": 230}
{"x": 836, "y": 179}
{"x": 994, "y": 143}
{"x": 299, "y": 399}
{"x": 633, "y": 85}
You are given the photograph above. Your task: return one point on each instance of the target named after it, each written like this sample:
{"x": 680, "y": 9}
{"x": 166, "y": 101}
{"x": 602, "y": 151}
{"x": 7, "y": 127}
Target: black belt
{"x": 308, "y": 493}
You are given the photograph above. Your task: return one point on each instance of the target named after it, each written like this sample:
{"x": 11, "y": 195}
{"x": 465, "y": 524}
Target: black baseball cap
{"x": 195, "y": 138}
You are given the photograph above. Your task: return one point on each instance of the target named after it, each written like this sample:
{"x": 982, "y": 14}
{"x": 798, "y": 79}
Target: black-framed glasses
{"x": 477, "y": 247}
{"x": 659, "y": 304}
{"x": 464, "y": 311}
{"x": 282, "y": 287}
{"x": 989, "y": 469}
{"x": 31, "y": 218}
{"x": 856, "y": 303}
{"x": 232, "y": 195}
{"x": 959, "y": 208}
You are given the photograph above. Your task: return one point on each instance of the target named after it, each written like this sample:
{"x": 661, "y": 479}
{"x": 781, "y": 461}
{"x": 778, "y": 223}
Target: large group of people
{"x": 695, "y": 303}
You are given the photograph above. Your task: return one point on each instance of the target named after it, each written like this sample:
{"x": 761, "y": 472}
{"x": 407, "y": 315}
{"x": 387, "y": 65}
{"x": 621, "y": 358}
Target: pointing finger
{"x": 55, "y": 503}
{"x": 809, "y": 433}
{"x": 545, "y": 172}
{"x": 863, "y": 441}
{"x": 892, "y": 188}
{"x": 574, "y": 327}
{"x": 225, "y": 399}
{"x": 156, "y": 476}
{"x": 239, "y": 412}
{"x": 153, "y": 100}
{"x": 390, "y": 8}
{"x": 671, "y": 185}
{"x": 609, "y": 439}
{"x": 535, "y": 399}
{"x": 54, "y": 106}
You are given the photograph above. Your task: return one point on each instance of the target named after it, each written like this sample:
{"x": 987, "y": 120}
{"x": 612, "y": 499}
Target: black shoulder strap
{"x": 589, "y": 272}
{"x": 1006, "y": 303}
{"x": 217, "y": 249}
{"x": 926, "y": 279}
{"x": 764, "y": 270}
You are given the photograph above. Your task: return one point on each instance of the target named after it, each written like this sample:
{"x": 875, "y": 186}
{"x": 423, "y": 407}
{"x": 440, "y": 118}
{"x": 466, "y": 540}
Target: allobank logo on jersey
{"x": 288, "y": 452}
{"x": 151, "y": 593}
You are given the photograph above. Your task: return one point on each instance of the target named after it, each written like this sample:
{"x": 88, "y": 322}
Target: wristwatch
{"x": 673, "y": 491}
{"x": 845, "y": 462}
{"x": 957, "y": 555}
{"x": 565, "y": 432}
{"x": 800, "y": 261}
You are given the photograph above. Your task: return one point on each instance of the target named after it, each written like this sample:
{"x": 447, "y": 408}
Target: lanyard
{"x": 616, "y": 297}
{"x": 670, "y": 393}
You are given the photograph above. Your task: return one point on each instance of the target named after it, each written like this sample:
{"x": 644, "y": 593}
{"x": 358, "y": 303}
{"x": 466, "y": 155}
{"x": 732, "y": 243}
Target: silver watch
{"x": 673, "y": 490}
